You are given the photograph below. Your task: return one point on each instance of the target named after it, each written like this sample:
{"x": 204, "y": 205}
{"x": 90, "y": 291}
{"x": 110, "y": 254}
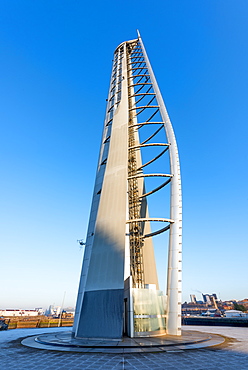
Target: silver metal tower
{"x": 118, "y": 292}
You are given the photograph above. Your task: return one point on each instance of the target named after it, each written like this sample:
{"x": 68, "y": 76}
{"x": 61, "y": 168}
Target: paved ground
{"x": 233, "y": 356}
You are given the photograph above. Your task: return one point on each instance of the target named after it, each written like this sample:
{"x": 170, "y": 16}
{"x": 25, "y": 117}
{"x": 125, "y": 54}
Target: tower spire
{"x": 119, "y": 291}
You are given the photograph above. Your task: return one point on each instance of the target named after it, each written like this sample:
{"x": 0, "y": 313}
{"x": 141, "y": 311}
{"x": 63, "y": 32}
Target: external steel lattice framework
{"x": 137, "y": 136}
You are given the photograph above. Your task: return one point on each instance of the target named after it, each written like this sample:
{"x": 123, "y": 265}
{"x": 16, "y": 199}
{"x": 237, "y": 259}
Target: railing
{"x": 21, "y": 323}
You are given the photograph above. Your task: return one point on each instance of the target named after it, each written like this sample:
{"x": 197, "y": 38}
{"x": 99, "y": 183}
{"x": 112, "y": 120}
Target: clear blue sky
{"x": 55, "y": 66}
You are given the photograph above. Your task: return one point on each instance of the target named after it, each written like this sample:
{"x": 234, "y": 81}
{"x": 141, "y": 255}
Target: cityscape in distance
{"x": 208, "y": 305}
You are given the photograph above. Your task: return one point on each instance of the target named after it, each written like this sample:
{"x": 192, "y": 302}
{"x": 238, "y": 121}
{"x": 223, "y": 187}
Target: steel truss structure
{"x": 136, "y": 108}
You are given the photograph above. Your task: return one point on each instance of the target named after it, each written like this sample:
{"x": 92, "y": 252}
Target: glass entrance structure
{"x": 119, "y": 292}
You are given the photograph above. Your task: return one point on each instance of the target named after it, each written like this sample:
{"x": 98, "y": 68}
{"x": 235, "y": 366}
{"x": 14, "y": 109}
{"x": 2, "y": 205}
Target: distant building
{"x": 195, "y": 307}
{"x": 227, "y": 305}
{"x": 206, "y": 298}
{"x": 18, "y": 312}
{"x": 193, "y": 298}
{"x": 244, "y": 302}
{"x": 69, "y": 312}
{"x": 210, "y": 299}
{"x": 235, "y": 313}
{"x": 53, "y": 310}
{"x": 40, "y": 310}
{"x": 213, "y": 306}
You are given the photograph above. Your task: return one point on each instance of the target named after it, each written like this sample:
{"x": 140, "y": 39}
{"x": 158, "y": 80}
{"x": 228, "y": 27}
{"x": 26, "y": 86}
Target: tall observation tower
{"x": 138, "y": 165}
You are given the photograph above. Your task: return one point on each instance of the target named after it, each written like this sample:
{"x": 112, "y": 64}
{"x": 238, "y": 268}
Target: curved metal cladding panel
{"x": 98, "y": 186}
{"x": 101, "y": 307}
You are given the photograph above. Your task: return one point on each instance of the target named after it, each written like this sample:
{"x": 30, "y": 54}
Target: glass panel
{"x": 149, "y": 310}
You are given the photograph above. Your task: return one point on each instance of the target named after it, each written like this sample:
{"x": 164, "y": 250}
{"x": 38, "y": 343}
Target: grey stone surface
{"x": 64, "y": 341}
{"x": 233, "y": 355}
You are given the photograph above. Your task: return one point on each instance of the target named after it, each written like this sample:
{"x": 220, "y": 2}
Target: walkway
{"x": 234, "y": 355}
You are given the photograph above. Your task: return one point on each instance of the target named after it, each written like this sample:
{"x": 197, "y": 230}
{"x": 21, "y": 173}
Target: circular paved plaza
{"x": 232, "y": 354}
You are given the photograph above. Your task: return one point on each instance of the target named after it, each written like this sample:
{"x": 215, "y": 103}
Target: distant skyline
{"x": 56, "y": 59}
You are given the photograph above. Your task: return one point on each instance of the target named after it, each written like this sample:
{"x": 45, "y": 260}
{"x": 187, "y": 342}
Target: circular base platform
{"x": 63, "y": 341}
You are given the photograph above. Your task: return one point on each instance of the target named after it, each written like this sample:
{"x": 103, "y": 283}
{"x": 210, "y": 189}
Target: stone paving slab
{"x": 234, "y": 355}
